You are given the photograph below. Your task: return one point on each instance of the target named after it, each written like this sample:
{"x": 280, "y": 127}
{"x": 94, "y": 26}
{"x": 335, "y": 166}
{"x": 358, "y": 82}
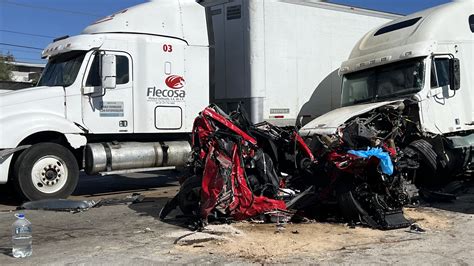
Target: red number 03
{"x": 168, "y": 48}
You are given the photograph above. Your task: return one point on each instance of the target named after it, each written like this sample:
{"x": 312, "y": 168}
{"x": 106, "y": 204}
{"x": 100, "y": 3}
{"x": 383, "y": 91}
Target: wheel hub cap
{"x": 49, "y": 174}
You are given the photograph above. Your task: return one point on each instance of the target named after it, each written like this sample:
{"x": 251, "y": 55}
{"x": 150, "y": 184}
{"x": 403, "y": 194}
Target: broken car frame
{"x": 240, "y": 171}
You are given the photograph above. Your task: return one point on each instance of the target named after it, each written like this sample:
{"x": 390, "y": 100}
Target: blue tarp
{"x": 385, "y": 164}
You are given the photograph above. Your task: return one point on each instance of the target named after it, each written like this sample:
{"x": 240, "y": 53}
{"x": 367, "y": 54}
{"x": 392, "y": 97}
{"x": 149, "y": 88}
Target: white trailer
{"x": 426, "y": 61}
{"x": 281, "y": 58}
{"x": 122, "y": 96}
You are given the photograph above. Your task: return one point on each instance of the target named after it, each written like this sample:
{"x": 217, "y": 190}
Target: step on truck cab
{"x": 422, "y": 64}
{"x": 121, "y": 95}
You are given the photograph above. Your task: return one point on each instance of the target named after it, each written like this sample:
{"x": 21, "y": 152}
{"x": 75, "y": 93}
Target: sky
{"x": 33, "y": 24}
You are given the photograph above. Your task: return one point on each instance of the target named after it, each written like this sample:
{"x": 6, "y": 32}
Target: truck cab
{"x": 136, "y": 79}
{"x": 425, "y": 59}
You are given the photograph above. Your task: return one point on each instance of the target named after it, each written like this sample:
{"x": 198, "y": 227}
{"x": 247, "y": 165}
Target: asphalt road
{"x": 118, "y": 235}
{"x": 132, "y": 234}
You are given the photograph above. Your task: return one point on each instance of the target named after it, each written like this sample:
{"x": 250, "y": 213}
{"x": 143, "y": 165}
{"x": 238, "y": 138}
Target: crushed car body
{"x": 239, "y": 171}
{"x": 232, "y": 175}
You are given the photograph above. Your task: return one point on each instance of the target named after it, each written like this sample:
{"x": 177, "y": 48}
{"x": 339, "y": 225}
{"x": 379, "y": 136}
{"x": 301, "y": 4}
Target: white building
{"x": 25, "y": 72}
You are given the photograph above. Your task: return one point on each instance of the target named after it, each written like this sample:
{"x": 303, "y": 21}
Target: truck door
{"x": 445, "y": 109}
{"x": 111, "y": 110}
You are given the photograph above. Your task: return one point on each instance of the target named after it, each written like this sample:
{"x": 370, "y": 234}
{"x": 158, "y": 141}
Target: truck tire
{"x": 45, "y": 171}
{"x": 428, "y": 174}
{"x": 426, "y": 152}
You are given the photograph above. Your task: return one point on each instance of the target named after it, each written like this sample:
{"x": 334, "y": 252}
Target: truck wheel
{"x": 45, "y": 171}
{"x": 426, "y": 152}
{"x": 428, "y": 174}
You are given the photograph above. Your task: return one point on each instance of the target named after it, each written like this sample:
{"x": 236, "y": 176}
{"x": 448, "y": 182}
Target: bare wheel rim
{"x": 49, "y": 174}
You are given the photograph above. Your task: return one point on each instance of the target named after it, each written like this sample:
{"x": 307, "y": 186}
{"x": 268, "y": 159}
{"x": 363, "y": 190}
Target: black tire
{"x": 426, "y": 152}
{"x": 45, "y": 171}
{"x": 190, "y": 195}
{"x": 428, "y": 173}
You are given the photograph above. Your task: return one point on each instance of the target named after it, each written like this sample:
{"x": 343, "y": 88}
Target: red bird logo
{"x": 175, "y": 82}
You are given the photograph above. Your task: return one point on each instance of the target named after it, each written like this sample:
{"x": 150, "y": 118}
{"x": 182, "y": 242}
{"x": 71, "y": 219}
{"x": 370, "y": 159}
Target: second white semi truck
{"x": 411, "y": 81}
{"x": 122, "y": 95}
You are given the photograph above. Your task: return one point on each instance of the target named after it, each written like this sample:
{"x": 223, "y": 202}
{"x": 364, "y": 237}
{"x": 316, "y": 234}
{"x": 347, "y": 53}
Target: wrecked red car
{"x": 239, "y": 170}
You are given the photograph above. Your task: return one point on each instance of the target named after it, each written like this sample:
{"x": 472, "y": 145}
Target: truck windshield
{"x": 383, "y": 82}
{"x": 62, "y": 69}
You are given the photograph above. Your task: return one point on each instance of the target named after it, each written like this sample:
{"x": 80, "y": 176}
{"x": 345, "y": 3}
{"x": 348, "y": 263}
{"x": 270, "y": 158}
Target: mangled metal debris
{"x": 78, "y": 205}
{"x": 239, "y": 171}
{"x": 59, "y": 205}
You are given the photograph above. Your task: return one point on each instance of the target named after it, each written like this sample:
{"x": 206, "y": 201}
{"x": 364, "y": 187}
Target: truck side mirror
{"x": 455, "y": 71}
{"x": 108, "y": 71}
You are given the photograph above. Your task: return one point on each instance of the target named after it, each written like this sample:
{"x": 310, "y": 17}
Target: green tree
{"x": 5, "y": 68}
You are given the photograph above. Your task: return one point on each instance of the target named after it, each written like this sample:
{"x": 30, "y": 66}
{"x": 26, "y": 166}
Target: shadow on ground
{"x": 105, "y": 186}
{"x": 6, "y": 251}
{"x": 464, "y": 202}
{"x": 116, "y": 184}
{"x": 151, "y": 206}
{"x": 8, "y": 196}
{"x": 155, "y": 184}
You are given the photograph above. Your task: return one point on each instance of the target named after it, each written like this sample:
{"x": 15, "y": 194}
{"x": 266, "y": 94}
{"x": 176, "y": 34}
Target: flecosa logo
{"x": 175, "y": 82}
{"x": 176, "y": 93}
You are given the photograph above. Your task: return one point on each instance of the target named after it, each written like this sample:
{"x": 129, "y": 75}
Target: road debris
{"x": 59, "y": 205}
{"x": 415, "y": 228}
{"x": 220, "y": 233}
{"x": 78, "y": 205}
{"x": 144, "y": 231}
{"x": 130, "y": 199}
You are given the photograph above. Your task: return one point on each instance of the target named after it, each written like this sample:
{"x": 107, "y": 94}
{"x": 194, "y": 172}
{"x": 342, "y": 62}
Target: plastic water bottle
{"x": 21, "y": 237}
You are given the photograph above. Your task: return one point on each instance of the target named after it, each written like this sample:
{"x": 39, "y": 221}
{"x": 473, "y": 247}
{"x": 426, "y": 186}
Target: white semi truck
{"x": 419, "y": 66}
{"x": 122, "y": 95}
